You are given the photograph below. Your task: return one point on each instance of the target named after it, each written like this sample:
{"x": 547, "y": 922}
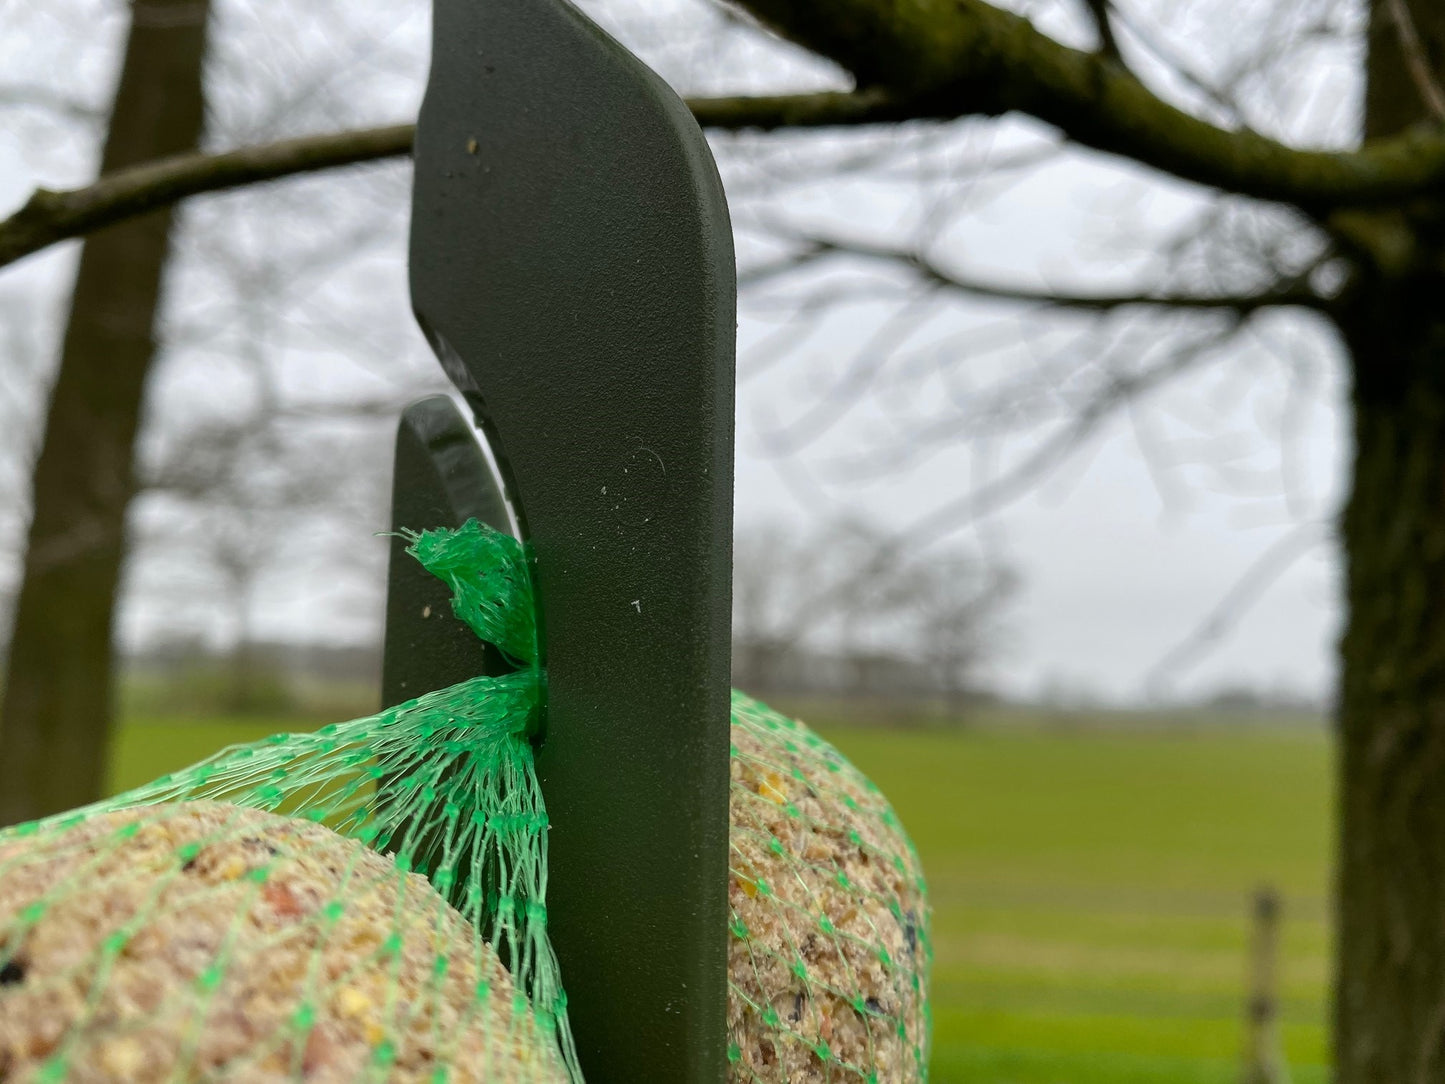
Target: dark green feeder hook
{"x": 572, "y": 268}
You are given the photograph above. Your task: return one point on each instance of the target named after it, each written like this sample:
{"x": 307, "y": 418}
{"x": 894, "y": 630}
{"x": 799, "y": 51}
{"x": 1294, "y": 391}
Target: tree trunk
{"x": 1389, "y": 1025}
{"x": 1390, "y": 988}
{"x": 56, "y": 711}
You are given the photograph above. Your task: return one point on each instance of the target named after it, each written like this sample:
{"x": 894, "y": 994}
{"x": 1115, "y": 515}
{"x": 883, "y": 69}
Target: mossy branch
{"x": 914, "y": 59}
{"x": 968, "y": 57}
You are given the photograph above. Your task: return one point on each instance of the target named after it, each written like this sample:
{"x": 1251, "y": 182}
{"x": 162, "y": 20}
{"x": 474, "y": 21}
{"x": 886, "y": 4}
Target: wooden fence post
{"x": 1263, "y": 1055}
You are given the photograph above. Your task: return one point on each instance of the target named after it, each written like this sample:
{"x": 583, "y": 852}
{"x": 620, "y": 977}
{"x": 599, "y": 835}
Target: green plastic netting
{"x": 367, "y": 902}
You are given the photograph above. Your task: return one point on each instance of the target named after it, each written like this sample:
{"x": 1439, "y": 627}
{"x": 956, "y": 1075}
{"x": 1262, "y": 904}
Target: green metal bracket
{"x": 572, "y": 267}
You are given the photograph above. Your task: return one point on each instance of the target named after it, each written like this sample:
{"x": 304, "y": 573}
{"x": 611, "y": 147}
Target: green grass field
{"x": 1090, "y": 888}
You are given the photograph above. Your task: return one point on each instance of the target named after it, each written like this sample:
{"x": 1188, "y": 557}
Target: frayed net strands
{"x": 368, "y": 901}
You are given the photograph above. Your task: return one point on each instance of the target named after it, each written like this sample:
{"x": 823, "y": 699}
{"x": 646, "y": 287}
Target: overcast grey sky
{"x": 1121, "y": 557}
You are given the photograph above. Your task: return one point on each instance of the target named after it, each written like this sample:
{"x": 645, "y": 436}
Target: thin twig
{"x": 21, "y": 96}
{"x": 1416, "y": 62}
{"x": 1085, "y": 422}
{"x": 1108, "y": 44}
{"x": 1181, "y": 69}
{"x": 1294, "y": 293}
{"x": 1266, "y": 570}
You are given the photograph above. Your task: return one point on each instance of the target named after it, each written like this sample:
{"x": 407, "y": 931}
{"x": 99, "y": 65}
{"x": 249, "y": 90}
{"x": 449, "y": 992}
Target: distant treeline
{"x": 767, "y": 667}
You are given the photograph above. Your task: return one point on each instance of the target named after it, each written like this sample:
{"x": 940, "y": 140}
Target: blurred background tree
{"x": 59, "y": 688}
{"x": 1270, "y": 242}
{"x": 835, "y": 612}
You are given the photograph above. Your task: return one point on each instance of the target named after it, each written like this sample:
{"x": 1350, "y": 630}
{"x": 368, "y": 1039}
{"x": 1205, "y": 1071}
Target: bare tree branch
{"x": 905, "y": 545}
{"x": 36, "y": 96}
{"x": 1416, "y": 61}
{"x": 1288, "y": 294}
{"x": 968, "y": 57}
{"x": 822, "y": 109}
{"x": 938, "y": 59}
{"x": 1212, "y": 93}
{"x": 49, "y": 216}
{"x": 1108, "y": 44}
{"x": 764, "y": 272}
{"x": 1262, "y": 574}
{"x": 1087, "y": 419}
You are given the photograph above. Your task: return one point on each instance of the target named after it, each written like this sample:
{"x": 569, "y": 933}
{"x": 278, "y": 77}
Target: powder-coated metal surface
{"x": 572, "y": 266}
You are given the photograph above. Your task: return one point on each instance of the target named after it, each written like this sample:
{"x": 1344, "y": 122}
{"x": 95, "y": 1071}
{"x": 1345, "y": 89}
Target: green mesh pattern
{"x": 208, "y": 900}
{"x": 368, "y": 901}
{"x": 829, "y": 948}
